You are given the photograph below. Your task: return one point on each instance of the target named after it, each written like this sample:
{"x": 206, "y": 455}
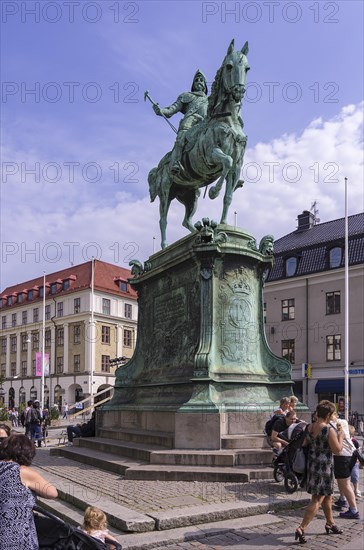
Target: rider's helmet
{"x": 202, "y": 78}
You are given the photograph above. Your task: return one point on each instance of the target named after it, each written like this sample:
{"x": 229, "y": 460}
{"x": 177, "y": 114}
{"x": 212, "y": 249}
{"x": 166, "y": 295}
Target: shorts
{"x": 342, "y": 467}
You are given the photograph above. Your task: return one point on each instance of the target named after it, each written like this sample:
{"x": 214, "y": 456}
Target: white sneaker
{"x": 69, "y": 444}
{"x": 358, "y": 494}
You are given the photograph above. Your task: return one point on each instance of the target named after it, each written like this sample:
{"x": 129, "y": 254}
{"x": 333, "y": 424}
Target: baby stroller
{"x": 53, "y": 533}
{"x": 283, "y": 465}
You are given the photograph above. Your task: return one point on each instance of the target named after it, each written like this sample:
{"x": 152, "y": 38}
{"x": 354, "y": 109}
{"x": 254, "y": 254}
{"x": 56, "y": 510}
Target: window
{"x": 333, "y": 347}
{"x": 287, "y": 309}
{"x": 30, "y": 295}
{"x": 9, "y": 301}
{"x": 332, "y": 302}
{"x": 59, "y": 365}
{"x": 288, "y": 350}
{"x": 123, "y": 285}
{"x": 3, "y": 321}
{"x": 13, "y": 369}
{"x": 3, "y": 370}
{"x": 53, "y": 288}
{"x": 60, "y": 309}
{"x": 127, "y": 338}
{"x": 335, "y": 255}
{"x": 77, "y": 305}
{"x": 105, "y": 363}
{"x": 35, "y": 315}
{"x": 24, "y": 342}
{"x": 128, "y": 311}
{"x": 265, "y": 312}
{"x": 105, "y": 335}
{"x": 47, "y": 338}
{"x": 24, "y": 317}
{"x": 47, "y": 312}
{"x": 291, "y": 266}
{"x": 24, "y": 368}
{"x": 77, "y": 363}
{"x": 41, "y": 292}
{"x": 13, "y": 344}
{"x": 33, "y": 367}
{"x": 13, "y": 320}
{"x": 60, "y": 336}
{"x": 66, "y": 284}
{"x": 105, "y": 306}
{"x": 77, "y": 334}
{"x": 19, "y": 298}
{"x": 35, "y": 340}
{"x": 3, "y": 345}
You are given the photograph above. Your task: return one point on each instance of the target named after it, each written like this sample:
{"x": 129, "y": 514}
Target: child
{"x": 354, "y": 478}
{"x": 95, "y": 524}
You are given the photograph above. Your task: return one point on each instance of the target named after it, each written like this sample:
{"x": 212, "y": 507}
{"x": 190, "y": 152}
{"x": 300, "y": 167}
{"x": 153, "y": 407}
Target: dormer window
{"x": 335, "y": 256}
{"x": 291, "y": 266}
{"x": 19, "y": 298}
{"x": 9, "y": 301}
{"x": 123, "y": 285}
{"x": 66, "y": 284}
{"x": 30, "y": 295}
{"x": 53, "y": 288}
{"x": 41, "y": 291}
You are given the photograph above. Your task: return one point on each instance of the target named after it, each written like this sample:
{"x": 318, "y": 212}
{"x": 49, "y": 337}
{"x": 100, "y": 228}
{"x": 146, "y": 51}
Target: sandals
{"x": 334, "y": 529}
{"x": 300, "y": 535}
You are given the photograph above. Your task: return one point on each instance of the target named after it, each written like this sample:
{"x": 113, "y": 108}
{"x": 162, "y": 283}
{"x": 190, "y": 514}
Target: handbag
{"x": 299, "y": 461}
{"x": 357, "y": 455}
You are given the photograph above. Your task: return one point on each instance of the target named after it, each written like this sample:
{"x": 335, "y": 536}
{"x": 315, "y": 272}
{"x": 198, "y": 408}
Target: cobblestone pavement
{"x": 280, "y": 536}
{"x": 150, "y": 496}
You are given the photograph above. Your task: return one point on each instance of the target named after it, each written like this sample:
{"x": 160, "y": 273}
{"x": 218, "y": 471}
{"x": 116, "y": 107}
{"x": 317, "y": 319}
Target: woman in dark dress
{"x": 18, "y": 484}
{"x": 322, "y": 441}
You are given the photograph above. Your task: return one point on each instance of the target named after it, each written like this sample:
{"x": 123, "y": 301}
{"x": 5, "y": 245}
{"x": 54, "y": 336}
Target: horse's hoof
{"x": 164, "y": 245}
{"x": 213, "y": 193}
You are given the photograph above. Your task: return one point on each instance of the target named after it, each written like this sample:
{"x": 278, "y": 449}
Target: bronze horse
{"x": 213, "y": 149}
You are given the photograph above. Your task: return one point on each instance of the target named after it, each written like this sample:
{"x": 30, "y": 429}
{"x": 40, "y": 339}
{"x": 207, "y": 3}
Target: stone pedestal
{"x": 202, "y": 367}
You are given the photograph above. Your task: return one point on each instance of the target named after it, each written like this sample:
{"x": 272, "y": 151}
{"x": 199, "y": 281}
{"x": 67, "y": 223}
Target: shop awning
{"x": 331, "y": 386}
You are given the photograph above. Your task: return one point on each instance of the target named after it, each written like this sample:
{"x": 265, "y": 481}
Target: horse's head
{"x": 234, "y": 69}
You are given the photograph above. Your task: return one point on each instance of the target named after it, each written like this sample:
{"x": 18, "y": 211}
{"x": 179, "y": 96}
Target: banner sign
{"x": 39, "y": 362}
{"x": 306, "y": 370}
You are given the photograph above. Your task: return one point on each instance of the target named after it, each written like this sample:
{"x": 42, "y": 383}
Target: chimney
{"x": 306, "y": 220}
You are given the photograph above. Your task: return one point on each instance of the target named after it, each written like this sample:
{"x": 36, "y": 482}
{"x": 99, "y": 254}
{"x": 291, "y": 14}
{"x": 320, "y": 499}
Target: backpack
{"x": 34, "y": 416}
{"x": 268, "y": 428}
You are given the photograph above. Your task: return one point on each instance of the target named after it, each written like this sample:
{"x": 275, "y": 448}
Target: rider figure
{"x": 193, "y": 105}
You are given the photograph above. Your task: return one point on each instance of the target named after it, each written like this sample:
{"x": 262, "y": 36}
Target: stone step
{"x": 242, "y": 441}
{"x": 105, "y": 461}
{"x": 237, "y": 474}
{"x": 163, "y": 439}
{"x": 134, "y": 450}
{"x": 224, "y": 457}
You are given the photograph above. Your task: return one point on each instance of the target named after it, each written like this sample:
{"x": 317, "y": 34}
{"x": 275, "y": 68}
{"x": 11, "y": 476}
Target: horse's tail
{"x": 152, "y": 180}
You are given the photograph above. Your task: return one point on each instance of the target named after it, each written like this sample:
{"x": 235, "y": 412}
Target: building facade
{"x": 90, "y": 313}
{"x": 304, "y": 301}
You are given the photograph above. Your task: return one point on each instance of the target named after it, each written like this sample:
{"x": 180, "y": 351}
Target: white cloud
{"x": 121, "y": 220}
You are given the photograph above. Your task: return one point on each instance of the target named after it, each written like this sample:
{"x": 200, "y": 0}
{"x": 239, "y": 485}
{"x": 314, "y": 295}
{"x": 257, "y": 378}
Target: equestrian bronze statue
{"x": 209, "y": 147}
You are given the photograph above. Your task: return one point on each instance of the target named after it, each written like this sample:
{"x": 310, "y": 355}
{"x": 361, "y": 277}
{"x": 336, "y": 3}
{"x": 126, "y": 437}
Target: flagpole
{"x": 43, "y": 345}
{"x": 346, "y": 304}
{"x": 92, "y": 326}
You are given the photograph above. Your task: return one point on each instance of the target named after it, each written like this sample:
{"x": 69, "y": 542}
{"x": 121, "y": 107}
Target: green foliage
{"x": 3, "y": 415}
{"x": 54, "y": 413}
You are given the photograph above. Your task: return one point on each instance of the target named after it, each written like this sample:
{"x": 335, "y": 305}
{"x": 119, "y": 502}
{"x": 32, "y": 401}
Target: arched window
{"x": 335, "y": 256}
{"x": 33, "y": 393}
{"x": 22, "y": 396}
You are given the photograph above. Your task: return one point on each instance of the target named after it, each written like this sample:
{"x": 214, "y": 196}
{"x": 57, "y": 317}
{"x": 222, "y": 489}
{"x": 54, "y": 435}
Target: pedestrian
{"x": 283, "y": 406}
{"x": 342, "y": 468}
{"x": 361, "y": 427}
{"x": 27, "y": 416}
{"x": 65, "y": 411}
{"x": 88, "y": 429}
{"x": 280, "y": 425}
{"x": 34, "y": 419}
{"x": 18, "y": 482}
{"x": 293, "y": 400}
{"x": 95, "y": 524}
{"x": 322, "y": 440}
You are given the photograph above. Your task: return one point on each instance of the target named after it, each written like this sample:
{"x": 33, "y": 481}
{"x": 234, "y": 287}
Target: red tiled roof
{"x": 80, "y": 278}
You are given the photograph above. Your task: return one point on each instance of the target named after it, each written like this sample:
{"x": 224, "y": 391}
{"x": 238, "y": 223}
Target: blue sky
{"x": 91, "y": 139}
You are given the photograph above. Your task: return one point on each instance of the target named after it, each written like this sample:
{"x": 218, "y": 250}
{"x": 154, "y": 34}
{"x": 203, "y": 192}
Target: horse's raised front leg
{"x": 226, "y": 162}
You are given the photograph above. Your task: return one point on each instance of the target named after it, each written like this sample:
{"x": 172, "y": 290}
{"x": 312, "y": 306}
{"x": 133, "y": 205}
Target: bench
{"x": 62, "y": 438}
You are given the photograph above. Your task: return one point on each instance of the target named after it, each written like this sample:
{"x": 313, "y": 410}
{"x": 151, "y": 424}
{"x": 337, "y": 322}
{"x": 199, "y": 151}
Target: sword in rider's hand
{"x": 146, "y": 95}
